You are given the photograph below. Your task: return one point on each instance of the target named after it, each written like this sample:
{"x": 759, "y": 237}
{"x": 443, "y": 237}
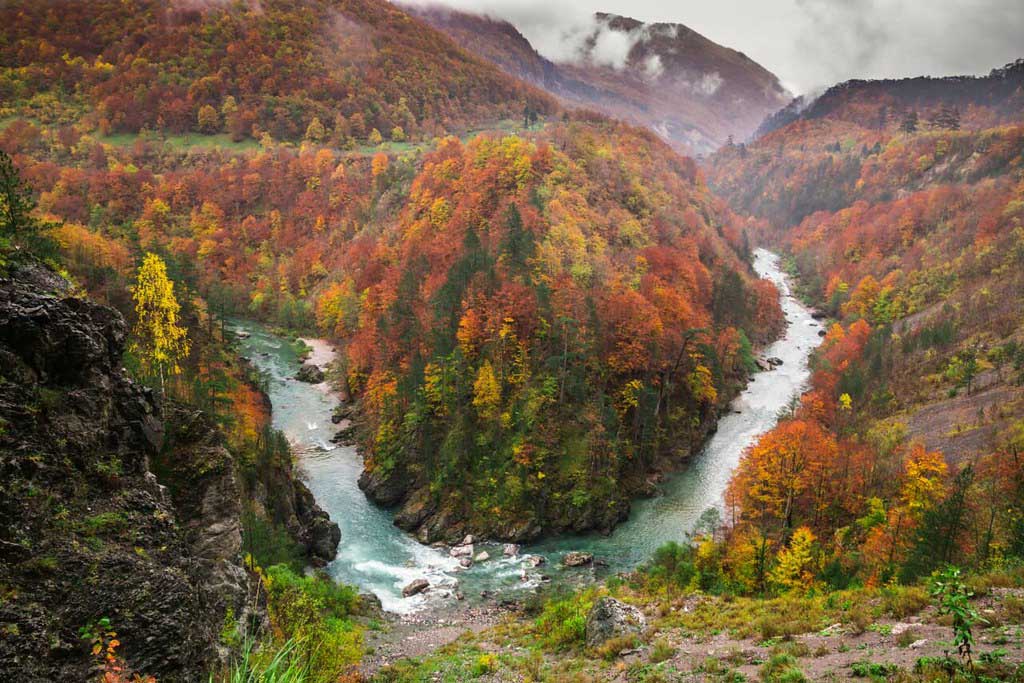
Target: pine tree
{"x": 160, "y": 342}
{"x": 947, "y": 118}
{"x": 16, "y": 202}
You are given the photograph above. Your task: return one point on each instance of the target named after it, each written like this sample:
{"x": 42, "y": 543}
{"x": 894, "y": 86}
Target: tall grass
{"x": 254, "y": 667}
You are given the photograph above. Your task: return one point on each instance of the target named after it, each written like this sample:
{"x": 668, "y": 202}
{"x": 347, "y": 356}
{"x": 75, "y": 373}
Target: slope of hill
{"x": 95, "y": 548}
{"x": 269, "y": 67}
{"x": 984, "y": 100}
{"x": 694, "y": 93}
{"x": 575, "y": 293}
{"x": 902, "y": 205}
{"x": 553, "y": 321}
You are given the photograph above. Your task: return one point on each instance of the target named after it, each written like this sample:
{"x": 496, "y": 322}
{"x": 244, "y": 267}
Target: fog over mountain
{"x": 808, "y": 43}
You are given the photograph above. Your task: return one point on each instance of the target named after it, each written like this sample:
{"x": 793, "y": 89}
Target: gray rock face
{"x": 415, "y": 588}
{"x": 79, "y": 430}
{"x": 577, "y": 559}
{"x": 151, "y": 491}
{"x": 320, "y": 535}
{"x": 310, "y": 373}
{"x": 611, "y": 618}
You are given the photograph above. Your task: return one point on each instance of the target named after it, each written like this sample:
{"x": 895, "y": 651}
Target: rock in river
{"x": 465, "y": 550}
{"x": 414, "y": 588}
{"x": 610, "y": 618}
{"x": 510, "y": 550}
{"x": 310, "y": 373}
{"x": 577, "y": 559}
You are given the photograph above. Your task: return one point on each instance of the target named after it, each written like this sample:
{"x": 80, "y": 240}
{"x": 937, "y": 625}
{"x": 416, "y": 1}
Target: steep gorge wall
{"x": 87, "y": 530}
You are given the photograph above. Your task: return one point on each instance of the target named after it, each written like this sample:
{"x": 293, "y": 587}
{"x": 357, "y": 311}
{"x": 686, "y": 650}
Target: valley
{"x": 348, "y": 340}
{"x": 378, "y": 557}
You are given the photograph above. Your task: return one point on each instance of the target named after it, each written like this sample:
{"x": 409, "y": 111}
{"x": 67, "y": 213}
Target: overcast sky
{"x": 809, "y": 44}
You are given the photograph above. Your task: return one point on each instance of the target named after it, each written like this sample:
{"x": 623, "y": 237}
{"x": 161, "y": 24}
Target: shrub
{"x": 672, "y": 565}
{"x": 904, "y": 601}
{"x": 269, "y": 544}
{"x": 661, "y": 651}
{"x": 613, "y": 647}
{"x": 782, "y": 668}
{"x": 484, "y": 664}
{"x": 858, "y": 618}
{"x": 563, "y": 620}
{"x": 313, "y": 612}
{"x": 873, "y": 670}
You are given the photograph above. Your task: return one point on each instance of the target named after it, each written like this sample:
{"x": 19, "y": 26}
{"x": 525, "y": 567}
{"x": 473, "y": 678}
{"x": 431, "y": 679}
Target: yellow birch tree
{"x": 158, "y": 340}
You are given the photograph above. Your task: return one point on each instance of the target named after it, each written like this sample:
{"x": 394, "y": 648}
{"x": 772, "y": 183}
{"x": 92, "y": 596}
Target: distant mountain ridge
{"x": 1002, "y": 91}
{"x": 694, "y": 93}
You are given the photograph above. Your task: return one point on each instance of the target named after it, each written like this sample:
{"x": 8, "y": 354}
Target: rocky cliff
{"x": 88, "y": 530}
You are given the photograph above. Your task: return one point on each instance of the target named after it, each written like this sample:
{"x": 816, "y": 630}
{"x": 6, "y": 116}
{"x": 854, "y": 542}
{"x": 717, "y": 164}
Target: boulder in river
{"x": 577, "y": 559}
{"x": 510, "y": 550}
{"x": 465, "y": 562}
{"x": 822, "y": 333}
{"x": 535, "y": 560}
{"x": 483, "y": 556}
{"x": 415, "y": 588}
{"x": 774, "y": 361}
{"x": 610, "y": 618}
{"x": 310, "y": 373}
{"x": 464, "y": 550}
{"x": 761, "y": 365}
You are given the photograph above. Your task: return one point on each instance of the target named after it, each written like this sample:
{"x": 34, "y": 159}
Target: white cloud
{"x": 653, "y": 66}
{"x": 611, "y": 48}
{"x": 807, "y": 43}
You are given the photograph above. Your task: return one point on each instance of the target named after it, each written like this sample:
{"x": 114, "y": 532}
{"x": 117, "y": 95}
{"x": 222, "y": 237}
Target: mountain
{"x": 572, "y": 292}
{"x": 901, "y": 205}
{"x": 694, "y": 93}
{"x": 812, "y": 156}
{"x": 268, "y": 67}
{"x": 1000, "y": 94}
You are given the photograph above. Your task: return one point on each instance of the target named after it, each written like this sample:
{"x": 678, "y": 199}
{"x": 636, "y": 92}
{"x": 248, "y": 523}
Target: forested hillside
{"x": 551, "y": 318}
{"x": 538, "y": 322}
{"x": 902, "y": 204}
{"x": 326, "y": 70}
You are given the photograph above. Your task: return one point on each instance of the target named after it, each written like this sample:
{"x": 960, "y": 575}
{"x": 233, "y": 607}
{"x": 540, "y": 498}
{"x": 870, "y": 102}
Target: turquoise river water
{"x": 378, "y": 557}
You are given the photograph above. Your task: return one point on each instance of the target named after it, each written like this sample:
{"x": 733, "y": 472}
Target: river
{"x": 378, "y": 557}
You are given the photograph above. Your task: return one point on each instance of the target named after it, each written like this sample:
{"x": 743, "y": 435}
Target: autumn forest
{"x": 538, "y": 315}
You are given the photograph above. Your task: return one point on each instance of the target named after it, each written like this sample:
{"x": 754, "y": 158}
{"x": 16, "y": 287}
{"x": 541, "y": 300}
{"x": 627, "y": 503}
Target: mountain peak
{"x": 691, "y": 91}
